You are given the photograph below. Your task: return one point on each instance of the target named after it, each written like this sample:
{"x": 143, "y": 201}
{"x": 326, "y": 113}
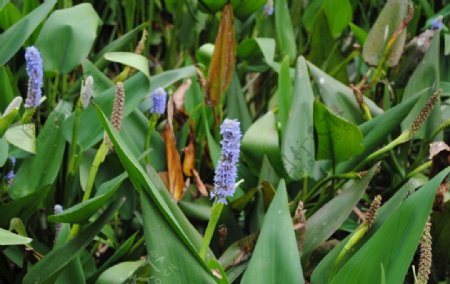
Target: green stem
{"x": 99, "y": 158}
{"x": 404, "y": 137}
{"x": 420, "y": 168}
{"x": 216, "y": 210}
{"x": 151, "y": 128}
{"x": 28, "y": 115}
{"x": 74, "y": 143}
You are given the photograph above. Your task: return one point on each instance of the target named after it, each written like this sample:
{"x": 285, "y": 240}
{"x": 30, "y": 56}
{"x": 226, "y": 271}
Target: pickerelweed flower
{"x": 9, "y": 177}
{"x": 436, "y": 24}
{"x": 159, "y": 100}
{"x": 35, "y": 74}
{"x": 268, "y": 8}
{"x": 226, "y": 170}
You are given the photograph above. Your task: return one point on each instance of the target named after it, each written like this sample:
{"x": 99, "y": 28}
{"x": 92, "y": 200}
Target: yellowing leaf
{"x": 176, "y": 183}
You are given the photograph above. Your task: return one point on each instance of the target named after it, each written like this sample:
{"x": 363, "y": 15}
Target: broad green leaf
{"x": 3, "y": 3}
{"x": 47, "y": 269}
{"x": 159, "y": 197}
{"x": 426, "y": 77}
{"x": 14, "y": 37}
{"x": 254, "y": 48}
{"x": 393, "y": 13}
{"x": 339, "y": 98}
{"x": 338, "y": 139}
{"x": 395, "y": 242}
{"x": 73, "y": 31}
{"x": 167, "y": 254}
{"x": 223, "y": 60}
{"x": 236, "y": 104}
{"x": 8, "y": 239}
{"x": 23, "y": 207}
{"x": 81, "y": 212}
{"x": 46, "y": 164}
{"x": 262, "y": 139}
{"x": 275, "y": 258}
{"x": 284, "y": 92}
{"x": 132, "y": 59}
{"x": 323, "y": 271}
{"x": 9, "y": 15}
{"x": 213, "y": 5}
{"x": 72, "y": 273}
{"x": 323, "y": 223}
{"x": 339, "y": 15}
{"x": 297, "y": 148}
{"x": 123, "y": 272}
{"x": 22, "y": 136}
{"x": 284, "y": 30}
{"x": 246, "y": 7}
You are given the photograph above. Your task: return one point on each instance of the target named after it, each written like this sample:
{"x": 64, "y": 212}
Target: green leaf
{"x": 81, "y": 212}
{"x": 323, "y": 223}
{"x": 338, "y": 139}
{"x": 284, "y": 29}
{"x": 132, "y": 59}
{"x": 14, "y": 37}
{"x": 3, "y": 151}
{"x": 122, "y": 272}
{"x": 275, "y": 258}
{"x": 393, "y": 13}
{"x": 339, "y": 15}
{"x": 246, "y": 7}
{"x": 116, "y": 45}
{"x": 426, "y": 77}
{"x": 339, "y": 98}
{"x": 73, "y": 31}
{"x": 297, "y": 148}
{"x": 262, "y": 139}
{"x": 46, "y": 164}
{"x": 6, "y": 87}
{"x": 236, "y": 104}
{"x": 22, "y": 136}
{"x": 47, "y": 269}
{"x": 8, "y": 239}
{"x": 396, "y": 241}
{"x": 284, "y": 92}
{"x": 168, "y": 255}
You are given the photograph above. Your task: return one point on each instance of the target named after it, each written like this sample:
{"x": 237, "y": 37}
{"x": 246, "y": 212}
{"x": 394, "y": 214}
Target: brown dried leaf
{"x": 223, "y": 59}
{"x": 176, "y": 183}
{"x": 189, "y": 159}
{"x": 199, "y": 183}
{"x": 178, "y": 96}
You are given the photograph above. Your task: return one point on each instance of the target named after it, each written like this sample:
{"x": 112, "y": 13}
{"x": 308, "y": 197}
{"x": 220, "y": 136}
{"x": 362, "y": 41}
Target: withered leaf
{"x": 176, "y": 184}
{"x": 223, "y": 59}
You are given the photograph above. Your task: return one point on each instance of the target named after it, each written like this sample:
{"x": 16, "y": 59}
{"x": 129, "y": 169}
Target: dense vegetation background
{"x": 122, "y": 119}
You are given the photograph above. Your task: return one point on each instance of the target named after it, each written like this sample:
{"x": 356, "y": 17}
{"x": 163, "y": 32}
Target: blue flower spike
{"x": 35, "y": 73}
{"x": 226, "y": 170}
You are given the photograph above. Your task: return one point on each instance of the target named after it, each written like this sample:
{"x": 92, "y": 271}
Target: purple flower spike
{"x": 268, "y": 8}
{"x": 9, "y": 177}
{"x": 159, "y": 98}
{"x": 226, "y": 170}
{"x": 436, "y": 24}
{"x": 35, "y": 74}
